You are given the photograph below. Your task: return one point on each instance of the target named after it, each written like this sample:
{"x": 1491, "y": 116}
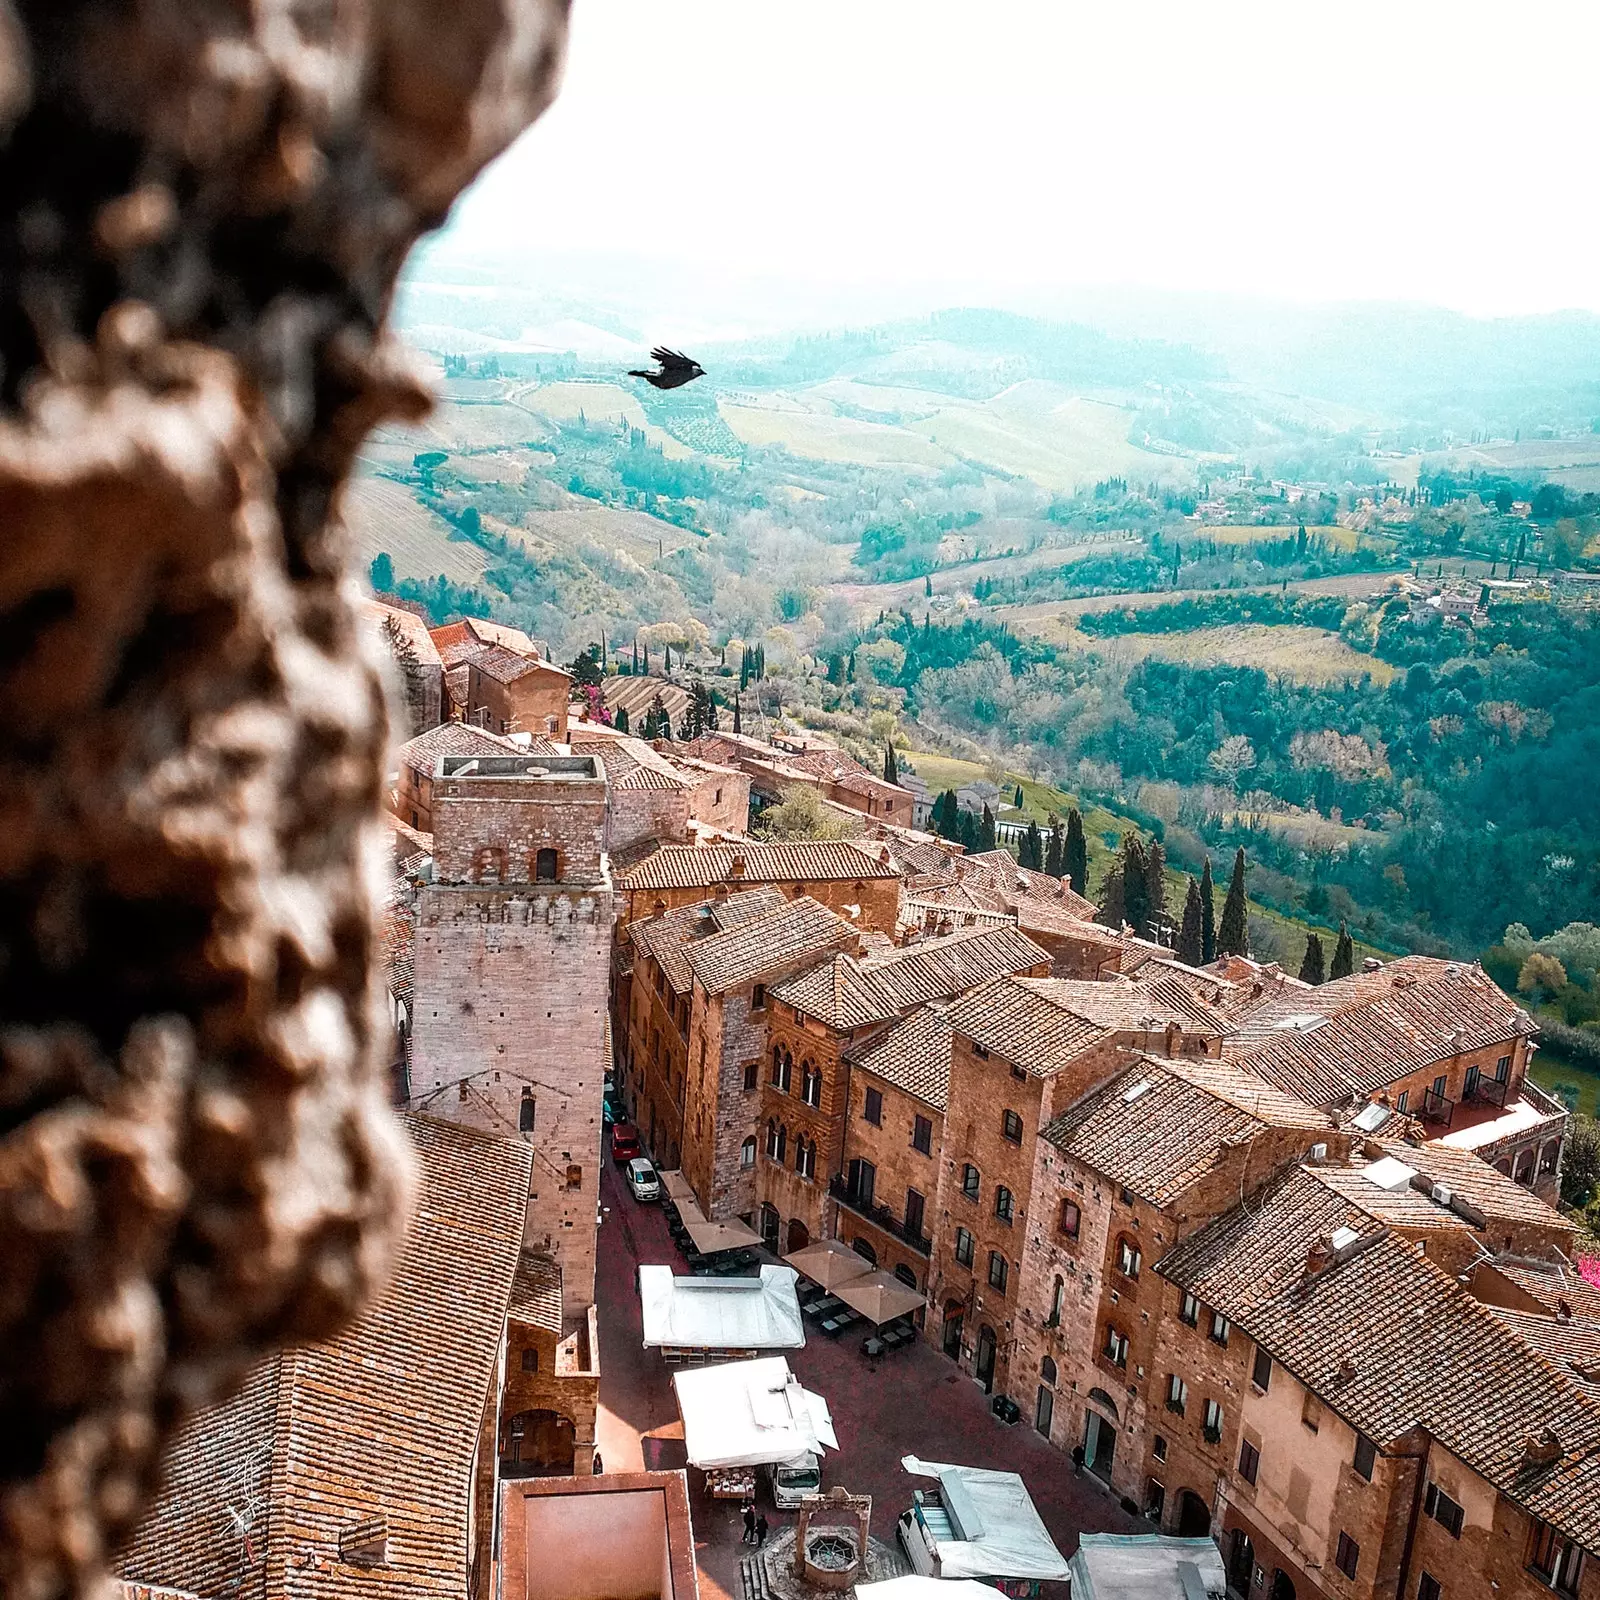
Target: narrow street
{"x": 913, "y": 1401}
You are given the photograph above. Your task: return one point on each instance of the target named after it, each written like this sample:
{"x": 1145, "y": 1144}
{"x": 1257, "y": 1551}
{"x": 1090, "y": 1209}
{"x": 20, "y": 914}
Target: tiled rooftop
{"x": 507, "y": 666}
{"x": 914, "y": 1055}
{"x": 667, "y": 938}
{"x": 1160, "y": 1124}
{"x": 382, "y": 1420}
{"x": 1389, "y": 1342}
{"x": 457, "y": 739}
{"x": 793, "y": 861}
{"x": 1354, "y": 1035}
{"x": 536, "y": 1292}
{"x": 744, "y": 954}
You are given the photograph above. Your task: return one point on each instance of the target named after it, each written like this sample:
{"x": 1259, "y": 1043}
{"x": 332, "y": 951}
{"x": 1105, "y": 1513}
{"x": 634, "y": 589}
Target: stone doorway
{"x": 539, "y": 1444}
{"x": 983, "y": 1367}
{"x": 1099, "y": 1445}
{"x": 1194, "y": 1516}
{"x": 1241, "y": 1562}
{"x": 953, "y": 1318}
{"x": 799, "y": 1235}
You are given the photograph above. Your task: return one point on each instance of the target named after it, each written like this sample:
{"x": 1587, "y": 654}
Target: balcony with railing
{"x": 1437, "y": 1107}
{"x": 1487, "y": 1091}
{"x": 878, "y": 1215}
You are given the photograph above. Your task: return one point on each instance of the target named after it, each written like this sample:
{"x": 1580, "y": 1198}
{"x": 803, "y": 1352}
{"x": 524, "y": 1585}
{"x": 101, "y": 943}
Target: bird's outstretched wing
{"x": 671, "y": 360}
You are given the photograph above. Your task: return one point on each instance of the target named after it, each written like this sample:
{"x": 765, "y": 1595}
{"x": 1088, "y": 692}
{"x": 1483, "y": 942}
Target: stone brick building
{"x": 417, "y": 760}
{"x": 856, "y": 881}
{"x": 1025, "y": 1048}
{"x": 459, "y": 643}
{"x": 509, "y": 974}
{"x": 656, "y": 794}
{"x": 552, "y": 1383}
{"x": 1435, "y": 1041}
{"x": 512, "y": 693}
{"x": 840, "y": 779}
{"x": 808, "y": 1103}
{"x": 1155, "y": 1152}
{"x": 1371, "y": 1430}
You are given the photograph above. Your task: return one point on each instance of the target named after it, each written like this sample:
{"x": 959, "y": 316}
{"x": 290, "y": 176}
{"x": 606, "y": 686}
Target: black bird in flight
{"x": 676, "y": 369}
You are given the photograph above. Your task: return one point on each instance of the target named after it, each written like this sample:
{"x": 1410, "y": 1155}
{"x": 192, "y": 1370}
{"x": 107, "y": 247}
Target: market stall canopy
{"x": 721, "y": 1313}
{"x": 709, "y": 1237}
{"x": 916, "y": 1587}
{"x": 1144, "y": 1566}
{"x": 995, "y": 1532}
{"x": 749, "y": 1414}
{"x": 879, "y": 1296}
{"x": 829, "y": 1262}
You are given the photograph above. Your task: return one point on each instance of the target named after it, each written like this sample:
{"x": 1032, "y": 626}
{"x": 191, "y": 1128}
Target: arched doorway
{"x": 799, "y": 1235}
{"x": 1282, "y": 1586}
{"x": 1194, "y": 1516}
{"x": 1099, "y": 1441}
{"x": 954, "y": 1316}
{"x": 538, "y": 1444}
{"x": 770, "y": 1222}
{"x": 983, "y": 1367}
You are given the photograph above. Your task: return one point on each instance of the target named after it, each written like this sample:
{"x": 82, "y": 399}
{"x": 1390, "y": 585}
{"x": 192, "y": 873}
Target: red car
{"x": 624, "y": 1143}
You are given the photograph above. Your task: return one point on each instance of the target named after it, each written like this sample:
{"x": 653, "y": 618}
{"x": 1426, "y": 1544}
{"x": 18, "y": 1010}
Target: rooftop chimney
{"x": 736, "y": 868}
{"x": 1318, "y": 1257}
{"x": 1540, "y": 1450}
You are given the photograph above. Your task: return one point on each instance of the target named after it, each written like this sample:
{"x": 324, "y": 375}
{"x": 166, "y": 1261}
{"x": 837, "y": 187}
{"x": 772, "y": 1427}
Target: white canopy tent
{"x": 721, "y": 1313}
{"x": 915, "y": 1587}
{"x": 1146, "y": 1566}
{"x": 982, "y": 1524}
{"x": 708, "y": 1236}
{"x": 749, "y": 1414}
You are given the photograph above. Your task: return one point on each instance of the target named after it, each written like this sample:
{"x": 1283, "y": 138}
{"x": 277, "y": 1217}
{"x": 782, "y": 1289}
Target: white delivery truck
{"x": 792, "y": 1481}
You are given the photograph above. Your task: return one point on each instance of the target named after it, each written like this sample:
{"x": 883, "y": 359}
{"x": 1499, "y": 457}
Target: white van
{"x": 793, "y": 1480}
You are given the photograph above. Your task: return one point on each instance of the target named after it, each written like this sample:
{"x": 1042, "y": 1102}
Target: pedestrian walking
{"x": 599, "y": 1466}
{"x": 761, "y": 1530}
{"x": 1077, "y": 1460}
{"x": 749, "y": 1522}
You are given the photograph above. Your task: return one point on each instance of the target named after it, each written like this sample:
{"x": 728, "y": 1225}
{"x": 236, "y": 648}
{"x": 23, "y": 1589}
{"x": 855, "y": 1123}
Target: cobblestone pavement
{"x": 911, "y": 1402}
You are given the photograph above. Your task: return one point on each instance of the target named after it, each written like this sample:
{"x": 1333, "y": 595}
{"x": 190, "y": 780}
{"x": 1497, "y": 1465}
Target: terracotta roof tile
{"x": 452, "y": 739}
{"x": 1159, "y": 1125}
{"x": 1389, "y": 1342}
{"x": 383, "y": 1420}
{"x": 536, "y": 1292}
{"x": 914, "y": 1055}
{"x": 507, "y": 666}
{"x": 1572, "y": 1344}
{"x": 802, "y": 928}
{"x": 667, "y": 938}
{"x": 794, "y": 861}
{"x": 1356, "y": 1034}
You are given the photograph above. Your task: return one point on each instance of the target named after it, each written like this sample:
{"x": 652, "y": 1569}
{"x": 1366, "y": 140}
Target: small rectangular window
{"x": 1070, "y": 1220}
{"x": 873, "y": 1109}
{"x": 1189, "y": 1311}
{"x": 963, "y": 1247}
{"x": 1311, "y": 1412}
{"x": 1402, "y": 1101}
{"x": 1213, "y": 1422}
{"x": 1428, "y": 1587}
{"x": 1366, "y": 1457}
{"x": 1159, "y": 1448}
{"x": 1261, "y": 1372}
{"x": 1155, "y": 1499}
{"x": 574, "y": 1176}
{"x": 970, "y": 1179}
{"x": 922, "y": 1135}
{"x": 1220, "y": 1327}
{"x": 530, "y": 1360}
{"x": 1443, "y": 1510}
{"x": 1177, "y": 1394}
{"x": 1347, "y": 1555}
{"x": 1116, "y": 1347}
{"x": 758, "y": 997}
{"x": 998, "y": 1271}
{"x": 1249, "y": 1462}
{"x": 1011, "y": 1127}
{"x": 751, "y": 1073}
{"x": 980, "y": 1051}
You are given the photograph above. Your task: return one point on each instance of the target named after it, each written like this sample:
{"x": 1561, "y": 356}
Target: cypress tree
{"x": 891, "y": 768}
{"x": 1233, "y": 937}
{"x": 1033, "y": 848}
{"x": 1208, "y": 916}
{"x": 1155, "y": 888}
{"x": 636, "y": 655}
{"x": 1075, "y": 854}
{"x": 622, "y": 719}
{"x": 1052, "y": 852}
{"x": 744, "y": 670}
{"x": 986, "y": 838}
{"x": 737, "y": 725}
{"x": 1311, "y": 965}
{"x": 1019, "y": 802}
{"x": 1135, "y": 886}
{"x": 966, "y": 829}
{"x": 1189, "y": 950}
{"x": 1344, "y": 954}
{"x": 647, "y": 659}
{"x": 1113, "y": 910}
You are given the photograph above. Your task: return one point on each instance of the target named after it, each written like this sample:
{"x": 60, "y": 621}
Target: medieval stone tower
{"x": 510, "y": 983}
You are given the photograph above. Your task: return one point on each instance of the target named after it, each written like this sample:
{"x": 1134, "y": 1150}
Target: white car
{"x": 642, "y": 1179}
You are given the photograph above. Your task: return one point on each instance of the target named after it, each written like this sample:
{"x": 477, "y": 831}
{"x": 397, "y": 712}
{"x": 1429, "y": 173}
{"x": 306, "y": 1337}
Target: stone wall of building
{"x": 491, "y": 828}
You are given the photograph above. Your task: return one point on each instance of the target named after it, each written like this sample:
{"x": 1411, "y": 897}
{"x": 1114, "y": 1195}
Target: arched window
{"x": 782, "y": 1068}
{"x": 525, "y": 1112}
{"x": 811, "y": 1083}
{"x": 906, "y": 1275}
{"x": 1129, "y": 1260}
{"x": 1004, "y": 1205}
{"x": 1058, "y": 1298}
{"x": 783, "y": 1143}
{"x": 747, "y": 1152}
{"x": 863, "y": 1248}
{"x": 772, "y": 1139}
{"x": 544, "y": 866}
{"x": 1011, "y": 1127}
{"x": 805, "y": 1157}
{"x": 1047, "y": 1370}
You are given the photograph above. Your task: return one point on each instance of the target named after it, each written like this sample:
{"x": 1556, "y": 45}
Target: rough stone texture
{"x": 205, "y": 206}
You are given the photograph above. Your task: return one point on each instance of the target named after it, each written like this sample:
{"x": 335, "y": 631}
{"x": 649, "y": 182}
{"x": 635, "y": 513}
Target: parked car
{"x": 642, "y": 1179}
{"x": 793, "y": 1480}
{"x": 625, "y": 1142}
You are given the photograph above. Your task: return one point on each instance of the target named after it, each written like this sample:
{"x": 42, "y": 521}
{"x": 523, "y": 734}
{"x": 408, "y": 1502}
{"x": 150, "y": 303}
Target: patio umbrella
{"x": 880, "y": 1297}
{"x": 829, "y": 1263}
{"x": 912, "y": 1587}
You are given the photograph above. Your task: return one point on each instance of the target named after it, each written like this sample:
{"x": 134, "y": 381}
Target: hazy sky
{"x": 1311, "y": 149}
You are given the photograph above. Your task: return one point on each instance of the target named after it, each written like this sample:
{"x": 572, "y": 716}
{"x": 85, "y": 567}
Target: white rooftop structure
{"x": 750, "y": 1413}
{"x": 1146, "y": 1566}
{"x": 984, "y": 1526}
{"x": 721, "y": 1313}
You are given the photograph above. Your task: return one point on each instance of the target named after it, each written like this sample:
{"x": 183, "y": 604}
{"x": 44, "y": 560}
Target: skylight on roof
{"x": 1371, "y": 1117}
{"x": 1300, "y": 1022}
{"x": 1134, "y": 1091}
{"x": 1343, "y": 1238}
{"x": 1389, "y": 1174}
